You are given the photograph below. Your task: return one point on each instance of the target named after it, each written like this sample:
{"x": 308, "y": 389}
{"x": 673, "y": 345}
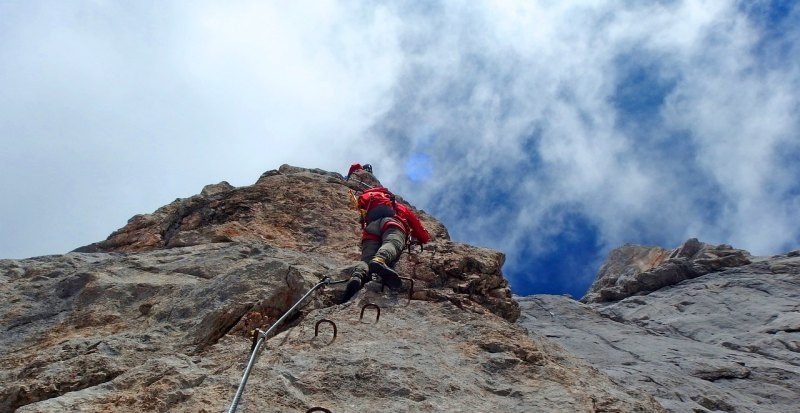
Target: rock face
{"x": 636, "y": 270}
{"x": 158, "y": 318}
{"x": 719, "y": 331}
{"x": 307, "y": 210}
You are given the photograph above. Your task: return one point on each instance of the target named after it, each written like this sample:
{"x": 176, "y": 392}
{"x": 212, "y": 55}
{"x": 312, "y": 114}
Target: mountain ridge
{"x": 160, "y": 315}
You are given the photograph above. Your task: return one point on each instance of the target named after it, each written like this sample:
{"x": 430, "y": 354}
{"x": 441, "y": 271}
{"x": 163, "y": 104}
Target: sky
{"x": 553, "y": 131}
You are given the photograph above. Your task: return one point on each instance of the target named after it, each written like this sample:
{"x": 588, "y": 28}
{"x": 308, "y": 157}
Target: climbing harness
{"x": 262, "y": 336}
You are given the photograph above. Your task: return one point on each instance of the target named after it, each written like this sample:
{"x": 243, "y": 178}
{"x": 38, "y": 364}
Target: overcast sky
{"x": 553, "y": 131}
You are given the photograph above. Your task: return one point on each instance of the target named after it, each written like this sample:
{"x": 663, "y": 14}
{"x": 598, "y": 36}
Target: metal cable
{"x": 536, "y": 301}
{"x": 262, "y": 336}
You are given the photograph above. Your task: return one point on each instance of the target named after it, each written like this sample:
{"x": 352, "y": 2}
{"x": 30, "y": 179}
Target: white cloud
{"x": 542, "y": 76}
{"x": 517, "y": 106}
{"x": 137, "y": 104}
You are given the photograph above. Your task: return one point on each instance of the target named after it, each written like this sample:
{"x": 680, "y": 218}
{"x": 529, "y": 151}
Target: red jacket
{"x": 379, "y": 202}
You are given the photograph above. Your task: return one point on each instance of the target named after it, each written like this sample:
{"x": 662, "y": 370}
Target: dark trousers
{"x": 388, "y": 248}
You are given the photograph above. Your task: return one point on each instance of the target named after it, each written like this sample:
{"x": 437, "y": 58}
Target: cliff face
{"x": 307, "y": 211}
{"x": 157, "y": 318}
{"x": 701, "y": 327}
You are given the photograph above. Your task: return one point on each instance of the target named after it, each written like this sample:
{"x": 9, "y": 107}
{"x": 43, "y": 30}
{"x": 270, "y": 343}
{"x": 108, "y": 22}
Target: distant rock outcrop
{"x": 702, "y": 328}
{"x": 637, "y": 270}
{"x": 158, "y": 318}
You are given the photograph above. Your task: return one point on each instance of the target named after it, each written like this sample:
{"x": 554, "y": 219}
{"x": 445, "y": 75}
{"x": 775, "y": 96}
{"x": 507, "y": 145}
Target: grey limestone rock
{"x": 724, "y": 340}
{"x": 638, "y": 270}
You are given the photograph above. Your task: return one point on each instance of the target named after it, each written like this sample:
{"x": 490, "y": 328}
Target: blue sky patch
{"x": 774, "y": 19}
{"x": 642, "y": 87}
{"x": 418, "y": 167}
{"x": 569, "y": 265}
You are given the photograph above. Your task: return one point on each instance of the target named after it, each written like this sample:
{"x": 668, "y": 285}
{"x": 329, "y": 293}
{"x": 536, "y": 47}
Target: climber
{"x": 357, "y": 166}
{"x": 386, "y": 227}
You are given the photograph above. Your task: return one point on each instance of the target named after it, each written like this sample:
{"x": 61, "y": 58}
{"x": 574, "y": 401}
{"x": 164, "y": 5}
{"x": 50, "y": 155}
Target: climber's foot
{"x": 352, "y": 288}
{"x": 388, "y": 275}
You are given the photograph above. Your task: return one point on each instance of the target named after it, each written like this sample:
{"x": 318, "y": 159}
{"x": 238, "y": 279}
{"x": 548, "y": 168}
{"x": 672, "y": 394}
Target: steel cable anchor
{"x": 324, "y": 320}
{"x": 370, "y": 305}
{"x": 259, "y": 337}
{"x": 410, "y": 290}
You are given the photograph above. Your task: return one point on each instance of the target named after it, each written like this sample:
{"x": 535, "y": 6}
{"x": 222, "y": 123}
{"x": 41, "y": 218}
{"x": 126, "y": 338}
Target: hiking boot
{"x": 392, "y": 280}
{"x": 352, "y": 288}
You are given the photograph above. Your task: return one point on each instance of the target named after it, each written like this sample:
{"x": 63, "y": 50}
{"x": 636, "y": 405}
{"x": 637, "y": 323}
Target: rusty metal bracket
{"x": 262, "y": 337}
{"x": 411, "y": 248}
{"x": 324, "y": 320}
{"x": 410, "y": 291}
{"x": 318, "y": 409}
{"x": 370, "y": 305}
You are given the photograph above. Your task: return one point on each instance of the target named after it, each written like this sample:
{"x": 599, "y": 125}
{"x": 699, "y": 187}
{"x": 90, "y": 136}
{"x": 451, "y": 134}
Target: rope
{"x": 536, "y": 301}
{"x": 364, "y": 184}
{"x": 262, "y": 336}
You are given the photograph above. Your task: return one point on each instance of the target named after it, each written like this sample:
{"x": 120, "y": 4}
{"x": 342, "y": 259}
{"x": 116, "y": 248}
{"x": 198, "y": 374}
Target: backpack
{"x": 375, "y": 203}
{"x": 418, "y": 231}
